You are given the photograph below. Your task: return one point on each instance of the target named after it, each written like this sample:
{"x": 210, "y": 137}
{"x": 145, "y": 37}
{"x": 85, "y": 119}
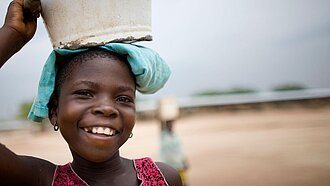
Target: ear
{"x": 52, "y": 113}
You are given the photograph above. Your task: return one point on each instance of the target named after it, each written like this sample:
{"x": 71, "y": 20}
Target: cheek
{"x": 129, "y": 120}
{"x": 68, "y": 112}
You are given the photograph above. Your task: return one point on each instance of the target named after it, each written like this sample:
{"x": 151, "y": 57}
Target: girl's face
{"x": 96, "y": 109}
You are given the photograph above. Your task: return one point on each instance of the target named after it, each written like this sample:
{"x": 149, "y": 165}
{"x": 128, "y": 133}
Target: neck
{"x": 96, "y": 171}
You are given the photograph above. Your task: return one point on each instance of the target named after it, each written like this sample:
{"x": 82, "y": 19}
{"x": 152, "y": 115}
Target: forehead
{"x": 68, "y": 64}
{"x": 106, "y": 64}
{"x": 102, "y": 66}
{"x": 99, "y": 68}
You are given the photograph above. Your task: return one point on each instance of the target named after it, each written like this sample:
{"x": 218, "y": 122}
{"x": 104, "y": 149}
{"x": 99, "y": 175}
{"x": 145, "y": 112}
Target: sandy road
{"x": 268, "y": 147}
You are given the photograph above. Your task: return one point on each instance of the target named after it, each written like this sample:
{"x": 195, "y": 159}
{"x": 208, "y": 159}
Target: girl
{"x": 93, "y": 106}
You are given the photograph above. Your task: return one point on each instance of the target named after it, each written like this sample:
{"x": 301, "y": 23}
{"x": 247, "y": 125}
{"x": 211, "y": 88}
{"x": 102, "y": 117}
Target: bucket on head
{"x": 168, "y": 108}
{"x": 73, "y": 24}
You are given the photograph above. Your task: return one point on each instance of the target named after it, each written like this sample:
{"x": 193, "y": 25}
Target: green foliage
{"x": 236, "y": 90}
{"x": 240, "y": 90}
{"x": 209, "y": 93}
{"x": 24, "y": 110}
{"x": 288, "y": 87}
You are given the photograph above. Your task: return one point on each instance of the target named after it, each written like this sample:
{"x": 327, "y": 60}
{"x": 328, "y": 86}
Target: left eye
{"x": 124, "y": 99}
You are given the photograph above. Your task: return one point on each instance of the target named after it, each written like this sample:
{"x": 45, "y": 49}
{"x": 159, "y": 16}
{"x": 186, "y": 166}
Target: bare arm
{"x": 172, "y": 176}
{"x": 18, "y": 29}
{"x": 23, "y": 170}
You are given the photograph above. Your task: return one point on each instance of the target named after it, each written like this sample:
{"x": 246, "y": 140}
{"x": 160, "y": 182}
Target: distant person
{"x": 90, "y": 99}
{"x": 170, "y": 151}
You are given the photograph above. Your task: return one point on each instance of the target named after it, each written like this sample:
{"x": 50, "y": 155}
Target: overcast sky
{"x": 210, "y": 44}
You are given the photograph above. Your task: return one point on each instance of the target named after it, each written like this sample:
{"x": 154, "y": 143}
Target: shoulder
{"x": 23, "y": 170}
{"x": 172, "y": 176}
{"x": 44, "y": 170}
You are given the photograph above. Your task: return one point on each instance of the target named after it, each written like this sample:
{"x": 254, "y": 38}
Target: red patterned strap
{"x": 64, "y": 175}
{"x": 148, "y": 172}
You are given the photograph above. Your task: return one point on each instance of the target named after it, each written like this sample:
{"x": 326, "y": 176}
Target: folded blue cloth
{"x": 150, "y": 70}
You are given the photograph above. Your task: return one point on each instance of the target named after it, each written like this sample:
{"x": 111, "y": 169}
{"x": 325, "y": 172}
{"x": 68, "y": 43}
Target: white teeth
{"x": 107, "y": 131}
{"x": 101, "y": 130}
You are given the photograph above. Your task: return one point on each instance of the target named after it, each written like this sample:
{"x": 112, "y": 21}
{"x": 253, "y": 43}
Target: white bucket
{"x": 168, "y": 109}
{"x": 73, "y": 24}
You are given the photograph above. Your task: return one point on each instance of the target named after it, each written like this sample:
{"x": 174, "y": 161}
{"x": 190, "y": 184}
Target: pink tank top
{"x": 146, "y": 171}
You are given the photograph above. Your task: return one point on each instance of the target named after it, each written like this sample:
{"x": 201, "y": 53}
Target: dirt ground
{"x": 281, "y": 147}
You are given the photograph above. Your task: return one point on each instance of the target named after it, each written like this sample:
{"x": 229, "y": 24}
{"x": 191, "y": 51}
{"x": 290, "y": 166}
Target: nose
{"x": 105, "y": 108}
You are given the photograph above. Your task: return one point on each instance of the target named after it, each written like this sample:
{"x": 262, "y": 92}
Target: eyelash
{"x": 84, "y": 93}
{"x": 126, "y": 99}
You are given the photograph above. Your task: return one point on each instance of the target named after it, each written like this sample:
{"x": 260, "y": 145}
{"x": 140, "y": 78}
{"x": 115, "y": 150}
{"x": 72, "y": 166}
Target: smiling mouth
{"x": 106, "y": 131}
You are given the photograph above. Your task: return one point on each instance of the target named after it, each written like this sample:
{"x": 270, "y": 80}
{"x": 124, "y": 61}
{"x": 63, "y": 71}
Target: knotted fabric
{"x": 150, "y": 70}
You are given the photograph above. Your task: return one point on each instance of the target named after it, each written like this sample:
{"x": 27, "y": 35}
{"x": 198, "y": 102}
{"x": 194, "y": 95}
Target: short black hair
{"x": 66, "y": 65}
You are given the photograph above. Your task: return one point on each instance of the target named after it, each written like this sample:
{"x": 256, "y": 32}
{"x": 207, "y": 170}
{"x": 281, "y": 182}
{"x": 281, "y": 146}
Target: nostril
{"x": 105, "y": 111}
{"x": 98, "y": 112}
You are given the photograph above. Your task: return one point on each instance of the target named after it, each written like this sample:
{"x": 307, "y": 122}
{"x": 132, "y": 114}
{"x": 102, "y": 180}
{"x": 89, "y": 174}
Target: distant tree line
{"x": 245, "y": 90}
{"x": 288, "y": 87}
{"x": 236, "y": 90}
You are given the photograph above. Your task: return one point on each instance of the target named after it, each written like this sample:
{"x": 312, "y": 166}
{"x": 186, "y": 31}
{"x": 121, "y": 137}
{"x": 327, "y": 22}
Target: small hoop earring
{"x": 56, "y": 127}
{"x": 131, "y": 135}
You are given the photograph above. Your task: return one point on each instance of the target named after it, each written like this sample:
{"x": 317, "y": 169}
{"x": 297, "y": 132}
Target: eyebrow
{"x": 88, "y": 83}
{"x": 125, "y": 88}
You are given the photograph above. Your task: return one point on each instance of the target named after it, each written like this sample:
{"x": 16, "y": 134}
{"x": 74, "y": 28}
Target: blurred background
{"x": 251, "y": 79}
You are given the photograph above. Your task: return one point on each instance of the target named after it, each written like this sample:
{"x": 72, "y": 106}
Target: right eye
{"x": 84, "y": 93}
